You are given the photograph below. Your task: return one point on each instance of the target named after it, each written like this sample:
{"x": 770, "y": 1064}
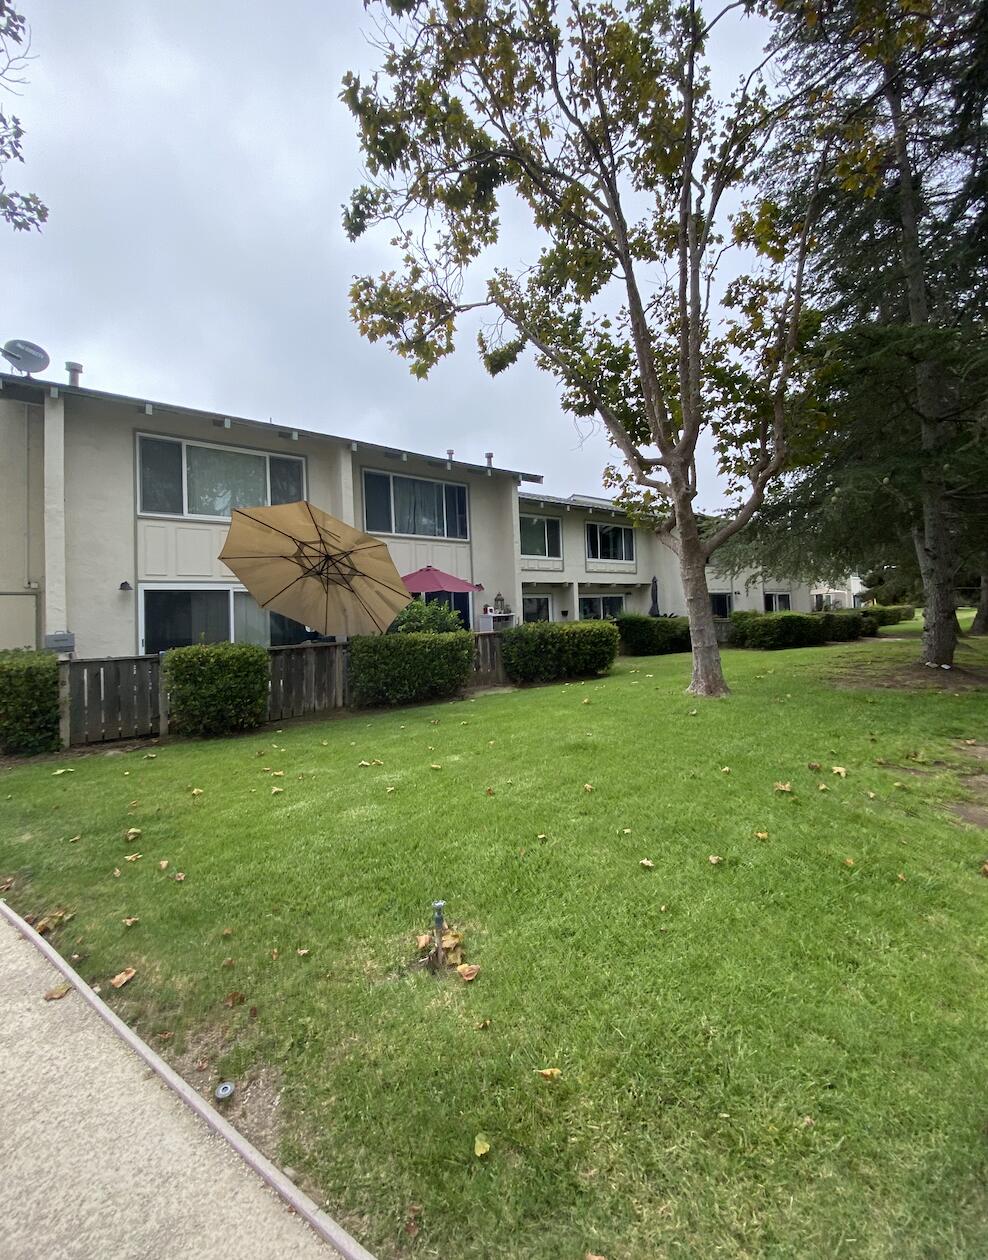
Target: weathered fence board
{"x": 124, "y": 697}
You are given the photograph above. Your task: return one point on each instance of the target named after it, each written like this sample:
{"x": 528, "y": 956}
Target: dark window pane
{"x": 535, "y": 607}
{"x": 418, "y": 507}
{"x": 590, "y": 608}
{"x": 286, "y": 479}
{"x": 593, "y": 545}
{"x": 459, "y": 601}
{"x": 612, "y": 605}
{"x": 161, "y": 476}
{"x": 285, "y": 632}
{"x": 377, "y": 502}
{"x": 720, "y": 602}
{"x": 783, "y": 603}
{"x": 532, "y": 536}
{"x": 553, "y": 538}
{"x": 181, "y": 618}
{"x": 456, "y": 511}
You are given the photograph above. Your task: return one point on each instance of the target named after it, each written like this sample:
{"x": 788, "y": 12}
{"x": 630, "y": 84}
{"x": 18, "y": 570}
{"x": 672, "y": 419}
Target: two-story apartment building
{"x": 113, "y": 511}
{"x": 581, "y": 558}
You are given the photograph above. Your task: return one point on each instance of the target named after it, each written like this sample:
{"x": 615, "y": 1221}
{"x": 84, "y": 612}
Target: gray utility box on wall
{"x": 60, "y": 641}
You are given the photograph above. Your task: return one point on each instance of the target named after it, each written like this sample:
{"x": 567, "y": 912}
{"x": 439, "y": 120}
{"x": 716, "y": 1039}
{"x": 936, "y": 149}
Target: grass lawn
{"x": 781, "y": 1054}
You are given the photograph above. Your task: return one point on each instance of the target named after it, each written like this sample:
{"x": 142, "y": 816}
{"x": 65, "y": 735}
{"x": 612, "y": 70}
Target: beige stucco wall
{"x": 107, "y": 543}
{"x": 22, "y": 567}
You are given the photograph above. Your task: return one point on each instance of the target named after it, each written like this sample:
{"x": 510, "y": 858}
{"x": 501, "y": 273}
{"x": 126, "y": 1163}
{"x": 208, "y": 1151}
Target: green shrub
{"x": 28, "y": 701}
{"x": 770, "y": 631}
{"x": 739, "y": 622}
{"x": 405, "y": 668}
{"x": 652, "y": 636}
{"x": 545, "y": 650}
{"x": 215, "y": 688}
{"x": 841, "y": 626}
{"x": 869, "y": 624}
{"x": 419, "y": 617}
{"x": 891, "y": 614}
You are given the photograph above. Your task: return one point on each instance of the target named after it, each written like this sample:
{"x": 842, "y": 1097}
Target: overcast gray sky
{"x": 194, "y": 157}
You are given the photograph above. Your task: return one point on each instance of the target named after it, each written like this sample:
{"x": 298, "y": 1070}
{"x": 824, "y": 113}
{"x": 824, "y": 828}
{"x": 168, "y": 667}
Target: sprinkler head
{"x": 224, "y": 1091}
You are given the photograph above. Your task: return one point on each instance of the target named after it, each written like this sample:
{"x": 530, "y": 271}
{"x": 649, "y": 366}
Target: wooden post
{"x": 64, "y": 715}
{"x": 162, "y": 702}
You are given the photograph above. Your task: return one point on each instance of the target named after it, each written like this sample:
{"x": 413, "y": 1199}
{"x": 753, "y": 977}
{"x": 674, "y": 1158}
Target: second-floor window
{"x": 179, "y": 478}
{"x": 541, "y": 536}
{"x": 411, "y": 505}
{"x": 610, "y": 542}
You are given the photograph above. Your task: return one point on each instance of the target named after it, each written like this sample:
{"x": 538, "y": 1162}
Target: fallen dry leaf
{"x": 725, "y": 769}
{"x": 585, "y": 700}
{"x": 714, "y": 860}
{"x": 133, "y": 857}
{"x": 871, "y": 796}
{"x": 59, "y": 991}
{"x": 423, "y": 941}
{"x": 489, "y": 791}
{"x": 122, "y": 977}
{"x": 481, "y": 1145}
{"x": 761, "y": 835}
{"x": 377, "y": 762}
{"x": 813, "y": 765}
{"x": 822, "y": 787}
{"x": 150, "y": 756}
{"x": 234, "y": 998}
{"x": 277, "y": 774}
{"x": 549, "y": 1074}
{"x": 625, "y": 831}
{"x": 592, "y": 1255}
{"x": 227, "y": 932}
{"x": 179, "y": 877}
{"x": 468, "y": 971}
{"x": 7, "y": 884}
{"x": 197, "y": 791}
{"x": 391, "y": 789}
{"x": 73, "y": 839}
{"x": 131, "y": 920}
{"x": 276, "y": 791}
{"x": 783, "y": 787}
{"x": 163, "y": 864}
{"x": 647, "y": 863}
{"x": 839, "y": 770}
{"x": 133, "y": 834}
{"x": 588, "y": 787}
{"x": 484, "y": 1023}
{"x": 984, "y": 870}
{"x": 363, "y": 763}
{"x": 274, "y": 955}
{"x": 435, "y": 766}
{"x": 201, "y": 1065}
{"x": 901, "y": 877}
{"x": 165, "y": 1036}
{"x": 541, "y": 836}
{"x": 301, "y": 952}
{"x": 849, "y": 861}
{"x": 65, "y": 770}
{"x": 116, "y": 872}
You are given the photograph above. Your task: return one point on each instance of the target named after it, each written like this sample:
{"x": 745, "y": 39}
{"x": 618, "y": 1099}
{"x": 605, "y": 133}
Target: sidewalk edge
{"x": 323, "y": 1224}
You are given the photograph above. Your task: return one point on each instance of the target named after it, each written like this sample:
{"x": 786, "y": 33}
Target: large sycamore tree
{"x": 22, "y": 211}
{"x": 598, "y": 120}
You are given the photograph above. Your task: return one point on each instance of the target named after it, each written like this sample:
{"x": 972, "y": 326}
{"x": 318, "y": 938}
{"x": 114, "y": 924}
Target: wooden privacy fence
{"x": 124, "y": 697}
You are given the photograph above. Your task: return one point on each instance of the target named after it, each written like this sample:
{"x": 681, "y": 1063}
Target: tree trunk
{"x": 934, "y": 544}
{"x": 980, "y": 623}
{"x": 939, "y": 612}
{"x": 708, "y": 675}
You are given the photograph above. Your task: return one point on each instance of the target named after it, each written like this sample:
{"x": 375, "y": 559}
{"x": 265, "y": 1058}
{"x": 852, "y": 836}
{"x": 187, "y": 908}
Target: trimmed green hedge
{"x": 215, "y": 688}
{"x": 869, "y": 624}
{"x": 28, "y": 701}
{"x": 652, "y": 636}
{"x": 770, "y": 631}
{"x": 842, "y": 626}
{"x": 405, "y": 668}
{"x": 546, "y": 650}
{"x": 419, "y": 617}
{"x": 890, "y": 614}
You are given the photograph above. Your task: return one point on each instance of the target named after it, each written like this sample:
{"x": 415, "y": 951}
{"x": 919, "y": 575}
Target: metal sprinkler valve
{"x": 438, "y": 927}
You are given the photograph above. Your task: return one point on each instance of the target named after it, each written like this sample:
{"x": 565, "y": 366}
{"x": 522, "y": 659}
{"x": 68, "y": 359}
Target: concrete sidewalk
{"x": 99, "y": 1160}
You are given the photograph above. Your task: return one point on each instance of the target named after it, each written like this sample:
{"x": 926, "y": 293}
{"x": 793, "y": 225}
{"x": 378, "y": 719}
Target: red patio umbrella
{"x": 427, "y": 580}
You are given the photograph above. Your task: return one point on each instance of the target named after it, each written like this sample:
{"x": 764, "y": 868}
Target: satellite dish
{"x": 25, "y": 356}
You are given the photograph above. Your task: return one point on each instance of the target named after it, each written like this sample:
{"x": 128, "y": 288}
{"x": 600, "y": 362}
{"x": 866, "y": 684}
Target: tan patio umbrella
{"x": 298, "y": 561}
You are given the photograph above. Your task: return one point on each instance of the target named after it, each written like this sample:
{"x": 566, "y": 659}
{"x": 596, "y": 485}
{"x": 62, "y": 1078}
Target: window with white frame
{"x": 394, "y": 504}
{"x": 721, "y": 603}
{"x": 778, "y": 601}
{"x": 610, "y": 542}
{"x": 597, "y": 607}
{"x": 179, "y": 478}
{"x": 536, "y": 608}
{"x": 179, "y": 617}
{"x": 541, "y": 536}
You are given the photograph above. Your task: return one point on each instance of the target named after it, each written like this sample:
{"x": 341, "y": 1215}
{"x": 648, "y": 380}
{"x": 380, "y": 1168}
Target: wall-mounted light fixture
{"x": 125, "y": 586}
